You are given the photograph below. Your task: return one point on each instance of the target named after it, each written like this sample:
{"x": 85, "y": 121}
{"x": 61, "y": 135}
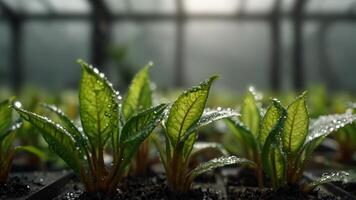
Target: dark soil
{"x": 289, "y": 193}
{"x": 243, "y": 185}
{"x": 14, "y": 188}
{"x": 206, "y": 178}
{"x": 349, "y": 187}
{"x": 20, "y": 185}
{"x": 243, "y": 177}
{"x": 140, "y": 188}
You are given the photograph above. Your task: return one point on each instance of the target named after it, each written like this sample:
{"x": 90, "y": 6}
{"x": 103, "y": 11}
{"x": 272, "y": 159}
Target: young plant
{"x": 7, "y": 138}
{"x": 247, "y": 131}
{"x": 285, "y": 141}
{"x": 185, "y": 117}
{"x": 103, "y": 127}
{"x": 346, "y": 138}
{"x": 138, "y": 98}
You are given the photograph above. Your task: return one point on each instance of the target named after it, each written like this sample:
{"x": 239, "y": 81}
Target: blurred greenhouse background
{"x": 272, "y": 44}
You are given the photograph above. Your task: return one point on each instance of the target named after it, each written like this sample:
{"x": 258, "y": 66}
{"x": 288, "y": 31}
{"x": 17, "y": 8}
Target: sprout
{"x": 281, "y": 141}
{"x": 104, "y": 125}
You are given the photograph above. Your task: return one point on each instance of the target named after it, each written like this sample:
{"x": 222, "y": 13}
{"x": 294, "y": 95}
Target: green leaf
{"x": 98, "y": 105}
{"x": 296, "y": 125}
{"x": 273, "y": 157}
{"x": 33, "y": 150}
{"x": 5, "y": 116}
{"x": 269, "y": 121}
{"x": 189, "y": 144}
{"x": 327, "y": 124}
{"x": 244, "y": 137}
{"x": 250, "y": 114}
{"x": 209, "y": 116}
{"x": 329, "y": 177}
{"x": 216, "y": 163}
{"x": 6, "y": 143}
{"x": 10, "y": 130}
{"x": 320, "y": 129}
{"x": 79, "y": 137}
{"x": 204, "y": 146}
{"x": 187, "y": 110}
{"x": 138, "y": 128}
{"x": 139, "y": 95}
{"x": 58, "y": 139}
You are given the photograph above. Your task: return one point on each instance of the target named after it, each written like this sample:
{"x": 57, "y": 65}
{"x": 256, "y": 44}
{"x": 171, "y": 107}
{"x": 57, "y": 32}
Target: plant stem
{"x": 259, "y": 171}
{"x": 140, "y": 163}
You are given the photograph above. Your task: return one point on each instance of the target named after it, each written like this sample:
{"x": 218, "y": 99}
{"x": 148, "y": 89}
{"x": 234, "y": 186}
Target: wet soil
{"x": 15, "y": 187}
{"x": 21, "y": 185}
{"x": 242, "y": 184}
{"x": 288, "y": 193}
{"x": 348, "y": 187}
{"x": 143, "y": 188}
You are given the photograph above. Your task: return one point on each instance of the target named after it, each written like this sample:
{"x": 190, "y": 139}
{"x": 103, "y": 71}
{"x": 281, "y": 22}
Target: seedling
{"x": 103, "y": 127}
{"x": 185, "y": 117}
{"x": 7, "y": 137}
{"x": 138, "y": 98}
{"x": 284, "y": 141}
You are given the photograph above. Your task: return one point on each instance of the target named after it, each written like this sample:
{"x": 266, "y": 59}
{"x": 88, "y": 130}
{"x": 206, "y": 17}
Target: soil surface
{"x": 242, "y": 184}
{"x": 15, "y": 187}
{"x": 242, "y": 177}
{"x": 289, "y": 193}
{"x": 349, "y": 187}
{"x": 142, "y": 188}
{"x": 21, "y": 185}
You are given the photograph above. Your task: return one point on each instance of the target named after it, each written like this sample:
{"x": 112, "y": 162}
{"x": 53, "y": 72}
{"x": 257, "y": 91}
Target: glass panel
{"x": 5, "y": 39}
{"x": 287, "y": 5}
{"x": 153, "y": 6}
{"x": 329, "y": 55}
{"x": 259, "y": 5}
{"x": 77, "y": 6}
{"x": 330, "y": 6}
{"x": 51, "y": 50}
{"x": 120, "y": 6}
{"x": 26, "y": 6}
{"x": 144, "y": 42}
{"x": 238, "y": 52}
{"x": 211, "y": 6}
{"x": 286, "y": 54}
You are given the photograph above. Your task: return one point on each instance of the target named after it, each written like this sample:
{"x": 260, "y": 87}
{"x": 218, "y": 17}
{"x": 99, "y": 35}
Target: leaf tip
{"x": 149, "y": 65}
{"x": 213, "y": 78}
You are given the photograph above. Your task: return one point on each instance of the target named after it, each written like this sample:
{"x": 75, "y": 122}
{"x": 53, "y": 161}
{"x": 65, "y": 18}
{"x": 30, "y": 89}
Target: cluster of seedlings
{"x": 276, "y": 142}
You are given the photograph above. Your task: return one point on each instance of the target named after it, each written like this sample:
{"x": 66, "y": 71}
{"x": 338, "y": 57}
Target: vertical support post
{"x": 298, "y": 60}
{"x": 16, "y": 54}
{"x": 180, "y": 45}
{"x": 325, "y": 62}
{"x": 275, "y": 62}
{"x": 16, "y": 25}
{"x": 100, "y": 33}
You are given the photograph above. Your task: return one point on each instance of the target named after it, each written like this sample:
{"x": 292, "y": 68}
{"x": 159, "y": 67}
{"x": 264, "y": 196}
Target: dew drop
{"x": 17, "y": 104}
{"x": 96, "y": 70}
